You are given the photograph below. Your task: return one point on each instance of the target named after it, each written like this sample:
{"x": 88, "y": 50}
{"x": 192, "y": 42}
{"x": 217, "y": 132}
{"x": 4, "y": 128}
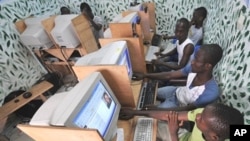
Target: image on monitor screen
{"x": 64, "y": 33}
{"x": 35, "y": 36}
{"x": 90, "y": 104}
{"x": 114, "y": 53}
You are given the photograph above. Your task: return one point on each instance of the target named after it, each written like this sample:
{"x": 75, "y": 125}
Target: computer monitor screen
{"x": 90, "y": 104}
{"x": 35, "y": 36}
{"x": 114, "y": 53}
{"x": 64, "y": 33}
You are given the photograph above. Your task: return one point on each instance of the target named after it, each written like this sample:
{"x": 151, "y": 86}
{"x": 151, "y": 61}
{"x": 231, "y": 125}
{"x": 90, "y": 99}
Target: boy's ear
{"x": 215, "y": 137}
{"x": 208, "y": 66}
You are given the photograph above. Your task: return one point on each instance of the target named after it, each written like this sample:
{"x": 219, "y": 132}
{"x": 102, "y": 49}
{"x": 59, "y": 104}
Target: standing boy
{"x": 95, "y": 21}
{"x": 196, "y": 29}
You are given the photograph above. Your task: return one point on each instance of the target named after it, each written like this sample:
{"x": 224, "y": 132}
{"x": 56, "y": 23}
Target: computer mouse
{"x": 27, "y": 94}
{"x": 135, "y": 77}
{"x": 125, "y": 116}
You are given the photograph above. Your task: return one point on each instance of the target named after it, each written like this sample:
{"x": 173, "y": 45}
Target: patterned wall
{"x": 232, "y": 72}
{"x": 19, "y": 70}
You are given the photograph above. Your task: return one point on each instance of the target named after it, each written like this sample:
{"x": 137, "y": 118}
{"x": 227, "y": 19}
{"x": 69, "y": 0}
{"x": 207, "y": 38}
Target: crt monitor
{"x": 64, "y": 33}
{"x": 132, "y": 18}
{"x": 114, "y": 53}
{"x": 136, "y": 7}
{"x": 35, "y": 36}
{"x": 90, "y": 104}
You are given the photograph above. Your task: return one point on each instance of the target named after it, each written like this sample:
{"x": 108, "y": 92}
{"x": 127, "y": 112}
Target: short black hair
{"x": 86, "y": 6}
{"x": 223, "y": 117}
{"x": 201, "y": 11}
{"x": 213, "y": 53}
{"x": 64, "y": 10}
{"x": 185, "y": 22}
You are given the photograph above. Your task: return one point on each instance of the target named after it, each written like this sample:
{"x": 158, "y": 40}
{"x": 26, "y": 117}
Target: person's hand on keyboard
{"x": 126, "y": 113}
{"x": 157, "y": 62}
{"x": 158, "y": 53}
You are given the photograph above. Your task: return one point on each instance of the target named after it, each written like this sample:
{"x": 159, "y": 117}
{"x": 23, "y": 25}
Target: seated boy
{"x": 184, "y": 50}
{"x": 201, "y": 88}
{"x": 212, "y": 123}
{"x": 196, "y": 23}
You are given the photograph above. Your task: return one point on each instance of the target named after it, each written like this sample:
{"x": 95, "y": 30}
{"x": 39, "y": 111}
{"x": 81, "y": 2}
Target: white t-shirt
{"x": 185, "y": 95}
{"x": 180, "y": 48}
{"x": 98, "y": 34}
{"x": 195, "y": 34}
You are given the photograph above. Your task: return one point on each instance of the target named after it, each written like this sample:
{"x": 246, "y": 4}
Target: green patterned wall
{"x": 19, "y": 70}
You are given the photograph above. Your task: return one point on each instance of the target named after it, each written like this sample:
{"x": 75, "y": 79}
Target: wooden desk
{"x": 18, "y": 102}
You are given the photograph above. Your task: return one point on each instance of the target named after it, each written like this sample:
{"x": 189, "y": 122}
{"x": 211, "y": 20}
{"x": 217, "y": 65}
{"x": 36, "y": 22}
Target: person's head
{"x": 207, "y": 56}
{"x": 181, "y": 29}
{"x": 85, "y": 8}
{"x": 107, "y": 98}
{"x": 215, "y": 120}
{"x": 199, "y": 15}
{"x": 64, "y": 10}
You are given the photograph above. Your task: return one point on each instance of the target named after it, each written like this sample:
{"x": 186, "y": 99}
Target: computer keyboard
{"x": 144, "y": 129}
{"x": 147, "y": 94}
{"x": 151, "y": 53}
{"x": 169, "y": 47}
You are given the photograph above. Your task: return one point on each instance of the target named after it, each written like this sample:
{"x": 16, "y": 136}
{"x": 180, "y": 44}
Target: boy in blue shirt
{"x": 201, "y": 88}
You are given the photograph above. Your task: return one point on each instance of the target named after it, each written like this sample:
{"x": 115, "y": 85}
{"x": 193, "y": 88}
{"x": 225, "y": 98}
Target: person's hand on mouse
{"x": 138, "y": 76}
{"x": 126, "y": 113}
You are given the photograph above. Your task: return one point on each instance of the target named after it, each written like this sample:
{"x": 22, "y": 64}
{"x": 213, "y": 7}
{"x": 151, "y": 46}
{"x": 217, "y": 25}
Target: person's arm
{"x": 128, "y": 113}
{"x": 160, "y": 75}
{"x": 172, "y": 52}
{"x": 160, "y": 54}
{"x": 188, "y": 51}
{"x": 181, "y": 108}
